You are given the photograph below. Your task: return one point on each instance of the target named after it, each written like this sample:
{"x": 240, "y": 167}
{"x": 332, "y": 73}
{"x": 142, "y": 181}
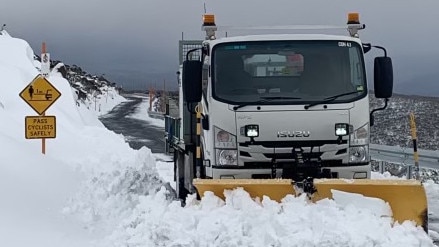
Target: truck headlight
{"x": 224, "y": 139}
{"x": 225, "y": 148}
{"x": 359, "y": 154}
{"x": 359, "y": 145}
{"x": 251, "y": 130}
{"x": 342, "y": 129}
{"x": 360, "y": 136}
{"x": 227, "y": 157}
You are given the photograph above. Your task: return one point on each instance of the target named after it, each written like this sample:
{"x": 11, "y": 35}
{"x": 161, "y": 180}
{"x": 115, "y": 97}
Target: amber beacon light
{"x": 353, "y": 18}
{"x": 208, "y": 20}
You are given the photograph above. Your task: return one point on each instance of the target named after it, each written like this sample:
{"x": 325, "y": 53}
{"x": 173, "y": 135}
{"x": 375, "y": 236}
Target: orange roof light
{"x": 353, "y": 18}
{"x": 209, "y": 20}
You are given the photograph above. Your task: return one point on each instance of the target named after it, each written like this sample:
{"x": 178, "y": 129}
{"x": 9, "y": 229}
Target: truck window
{"x": 356, "y": 68}
{"x": 306, "y": 70}
{"x": 205, "y": 79}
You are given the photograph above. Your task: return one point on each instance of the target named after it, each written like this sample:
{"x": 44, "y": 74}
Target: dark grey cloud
{"x": 134, "y": 42}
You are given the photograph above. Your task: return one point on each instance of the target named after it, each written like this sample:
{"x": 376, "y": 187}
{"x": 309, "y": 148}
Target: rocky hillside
{"x": 392, "y": 126}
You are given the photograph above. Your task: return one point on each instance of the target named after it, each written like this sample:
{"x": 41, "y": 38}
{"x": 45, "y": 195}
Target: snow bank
{"x": 142, "y": 217}
{"x": 241, "y": 221}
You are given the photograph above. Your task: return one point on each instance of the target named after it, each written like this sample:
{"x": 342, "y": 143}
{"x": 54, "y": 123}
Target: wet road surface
{"x": 138, "y": 133}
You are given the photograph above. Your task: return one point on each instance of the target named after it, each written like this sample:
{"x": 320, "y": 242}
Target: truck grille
{"x": 262, "y": 154}
{"x": 291, "y": 144}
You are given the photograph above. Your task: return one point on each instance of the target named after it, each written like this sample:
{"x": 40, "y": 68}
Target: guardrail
{"x": 172, "y": 132}
{"x": 401, "y": 155}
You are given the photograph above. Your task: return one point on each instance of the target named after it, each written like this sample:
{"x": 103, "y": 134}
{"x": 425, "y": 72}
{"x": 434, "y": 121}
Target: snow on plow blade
{"x": 407, "y": 198}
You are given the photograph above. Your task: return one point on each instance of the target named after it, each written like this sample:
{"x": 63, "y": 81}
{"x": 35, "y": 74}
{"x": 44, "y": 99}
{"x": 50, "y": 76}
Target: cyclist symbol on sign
{"x": 31, "y": 91}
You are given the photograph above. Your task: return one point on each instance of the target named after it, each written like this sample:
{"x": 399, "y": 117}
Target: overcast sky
{"x": 135, "y": 42}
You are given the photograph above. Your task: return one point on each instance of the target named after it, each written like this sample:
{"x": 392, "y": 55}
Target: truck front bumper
{"x": 348, "y": 172}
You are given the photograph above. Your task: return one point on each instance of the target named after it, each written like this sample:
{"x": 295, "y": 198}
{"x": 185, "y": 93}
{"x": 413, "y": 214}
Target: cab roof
{"x": 280, "y": 37}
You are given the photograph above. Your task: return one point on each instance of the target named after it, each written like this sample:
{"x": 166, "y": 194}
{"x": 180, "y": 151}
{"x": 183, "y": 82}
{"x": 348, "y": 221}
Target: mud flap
{"x": 407, "y": 198}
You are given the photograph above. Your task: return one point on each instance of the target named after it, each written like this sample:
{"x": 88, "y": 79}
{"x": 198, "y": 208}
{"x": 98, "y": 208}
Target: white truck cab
{"x": 276, "y": 106}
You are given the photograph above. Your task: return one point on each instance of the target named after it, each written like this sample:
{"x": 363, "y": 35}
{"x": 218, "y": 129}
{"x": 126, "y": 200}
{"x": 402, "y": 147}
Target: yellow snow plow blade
{"x": 406, "y": 198}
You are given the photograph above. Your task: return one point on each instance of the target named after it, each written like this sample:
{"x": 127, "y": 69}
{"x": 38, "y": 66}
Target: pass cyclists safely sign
{"x": 38, "y": 127}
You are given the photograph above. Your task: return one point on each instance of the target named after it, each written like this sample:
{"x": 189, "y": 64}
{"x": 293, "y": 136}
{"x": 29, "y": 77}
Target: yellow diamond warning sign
{"x": 40, "y": 127}
{"x": 40, "y": 94}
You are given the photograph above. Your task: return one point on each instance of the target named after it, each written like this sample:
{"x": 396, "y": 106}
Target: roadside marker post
{"x": 415, "y": 149}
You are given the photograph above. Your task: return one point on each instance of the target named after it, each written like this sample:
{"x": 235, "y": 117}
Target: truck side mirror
{"x": 383, "y": 77}
{"x": 192, "y": 71}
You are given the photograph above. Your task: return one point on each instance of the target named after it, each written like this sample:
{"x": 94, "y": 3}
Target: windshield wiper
{"x": 328, "y": 99}
{"x": 262, "y": 100}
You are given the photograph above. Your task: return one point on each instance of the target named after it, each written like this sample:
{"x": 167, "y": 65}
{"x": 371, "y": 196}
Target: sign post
{"x": 40, "y": 94}
{"x": 45, "y": 61}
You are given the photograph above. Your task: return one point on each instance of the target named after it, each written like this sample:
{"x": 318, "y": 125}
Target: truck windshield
{"x": 306, "y": 71}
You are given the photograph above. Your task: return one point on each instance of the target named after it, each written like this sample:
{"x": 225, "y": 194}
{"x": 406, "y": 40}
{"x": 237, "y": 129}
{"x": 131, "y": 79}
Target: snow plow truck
{"x": 280, "y": 114}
